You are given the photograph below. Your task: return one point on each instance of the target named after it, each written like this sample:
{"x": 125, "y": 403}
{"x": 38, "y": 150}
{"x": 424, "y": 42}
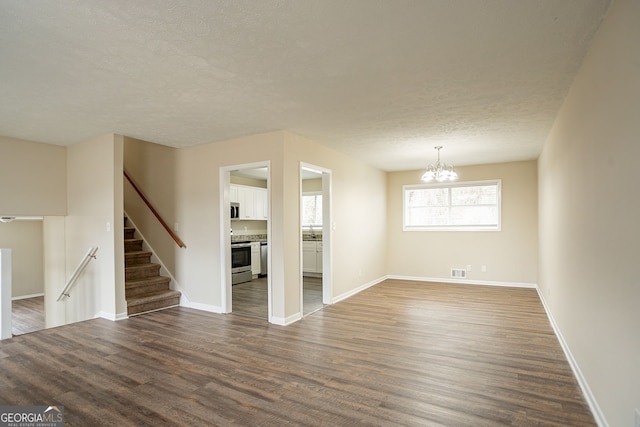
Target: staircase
{"x": 145, "y": 289}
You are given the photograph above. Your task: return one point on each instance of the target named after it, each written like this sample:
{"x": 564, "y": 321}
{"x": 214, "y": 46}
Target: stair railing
{"x": 173, "y": 235}
{"x": 91, "y": 254}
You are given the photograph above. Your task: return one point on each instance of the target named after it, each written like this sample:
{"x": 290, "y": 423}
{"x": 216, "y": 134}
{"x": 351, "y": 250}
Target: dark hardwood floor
{"x": 399, "y": 353}
{"x": 250, "y": 298}
{"x": 312, "y": 294}
{"x": 27, "y": 315}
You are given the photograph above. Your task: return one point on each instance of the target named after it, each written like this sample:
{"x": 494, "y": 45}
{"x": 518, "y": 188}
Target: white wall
{"x": 24, "y": 237}
{"x": 33, "y": 178}
{"x": 510, "y": 255}
{"x": 589, "y": 210}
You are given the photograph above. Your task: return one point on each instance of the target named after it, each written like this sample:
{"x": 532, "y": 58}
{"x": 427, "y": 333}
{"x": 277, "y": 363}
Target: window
{"x": 312, "y": 210}
{"x": 457, "y": 207}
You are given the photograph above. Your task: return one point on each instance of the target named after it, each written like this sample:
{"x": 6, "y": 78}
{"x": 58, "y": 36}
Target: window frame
{"x": 406, "y": 188}
{"x": 310, "y": 226}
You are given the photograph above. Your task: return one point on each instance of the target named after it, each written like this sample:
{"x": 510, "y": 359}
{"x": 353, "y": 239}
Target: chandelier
{"x": 439, "y": 171}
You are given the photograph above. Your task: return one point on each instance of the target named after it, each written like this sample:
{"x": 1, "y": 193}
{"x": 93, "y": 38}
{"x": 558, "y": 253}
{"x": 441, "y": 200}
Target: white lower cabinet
{"x": 311, "y": 257}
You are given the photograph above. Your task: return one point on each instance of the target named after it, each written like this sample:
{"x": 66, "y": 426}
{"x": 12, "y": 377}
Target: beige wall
{"x": 510, "y": 255}
{"x": 55, "y": 274}
{"x": 251, "y": 182}
{"x": 152, "y": 167}
{"x": 312, "y": 185}
{"x": 589, "y": 210}
{"x": 95, "y": 219}
{"x": 24, "y": 238}
{"x": 359, "y": 250}
{"x": 199, "y": 267}
{"x": 33, "y": 178}
{"x": 358, "y": 209}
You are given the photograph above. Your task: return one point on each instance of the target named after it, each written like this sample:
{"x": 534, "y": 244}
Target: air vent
{"x": 458, "y": 273}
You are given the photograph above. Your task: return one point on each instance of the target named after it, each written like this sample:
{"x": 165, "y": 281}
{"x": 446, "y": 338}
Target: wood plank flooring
{"x": 250, "y": 298}
{"x": 27, "y": 315}
{"x": 400, "y": 353}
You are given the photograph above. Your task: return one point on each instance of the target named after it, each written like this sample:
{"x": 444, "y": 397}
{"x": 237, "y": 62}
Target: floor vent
{"x": 458, "y": 273}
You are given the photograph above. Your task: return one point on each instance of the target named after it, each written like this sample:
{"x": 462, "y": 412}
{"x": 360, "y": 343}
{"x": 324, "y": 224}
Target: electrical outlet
{"x": 469, "y": 267}
{"x": 483, "y": 268}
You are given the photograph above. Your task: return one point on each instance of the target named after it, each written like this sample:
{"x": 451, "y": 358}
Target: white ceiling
{"x": 381, "y": 80}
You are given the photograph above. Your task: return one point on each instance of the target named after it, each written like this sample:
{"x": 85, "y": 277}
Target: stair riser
{"x": 133, "y": 246}
{"x": 129, "y": 233}
{"x": 131, "y": 260}
{"x": 144, "y": 289}
{"x": 141, "y": 272}
{"x": 155, "y": 305}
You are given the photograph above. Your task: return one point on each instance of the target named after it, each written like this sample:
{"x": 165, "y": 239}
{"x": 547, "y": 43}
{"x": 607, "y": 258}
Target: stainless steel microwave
{"x": 235, "y": 211}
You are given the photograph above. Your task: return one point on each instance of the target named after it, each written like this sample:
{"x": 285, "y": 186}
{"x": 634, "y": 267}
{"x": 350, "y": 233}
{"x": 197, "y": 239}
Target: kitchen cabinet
{"x": 311, "y": 257}
{"x": 255, "y": 258}
{"x": 262, "y": 204}
{"x": 253, "y": 201}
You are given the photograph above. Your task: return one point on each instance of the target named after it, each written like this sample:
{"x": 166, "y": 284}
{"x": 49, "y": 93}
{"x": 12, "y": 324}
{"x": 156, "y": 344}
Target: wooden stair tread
{"x": 152, "y": 297}
{"x": 145, "y": 289}
{"x": 141, "y": 266}
{"x": 146, "y": 280}
{"x": 136, "y": 253}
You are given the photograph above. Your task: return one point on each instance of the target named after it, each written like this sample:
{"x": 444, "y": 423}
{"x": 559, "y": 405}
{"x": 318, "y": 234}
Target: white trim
{"x": 111, "y": 316}
{"x": 359, "y": 289}
{"x": 285, "y": 321}
{"x": 224, "y": 175}
{"x": 27, "y": 296}
{"x": 464, "y": 281}
{"x": 327, "y": 229}
{"x": 203, "y": 307}
{"x": 582, "y": 382}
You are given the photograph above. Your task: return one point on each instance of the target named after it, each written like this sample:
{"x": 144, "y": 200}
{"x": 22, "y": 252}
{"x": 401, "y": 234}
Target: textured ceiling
{"x": 383, "y": 81}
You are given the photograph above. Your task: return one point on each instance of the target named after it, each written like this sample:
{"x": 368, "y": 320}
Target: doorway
{"x": 24, "y": 237}
{"x": 246, "y": 279}
{"x": 315, "y": 236}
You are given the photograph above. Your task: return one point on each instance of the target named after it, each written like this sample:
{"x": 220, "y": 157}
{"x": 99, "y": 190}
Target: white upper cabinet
{"x": 254, "y": 204}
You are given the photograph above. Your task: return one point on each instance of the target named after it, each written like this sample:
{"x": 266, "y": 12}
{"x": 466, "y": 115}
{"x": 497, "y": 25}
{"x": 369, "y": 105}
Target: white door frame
{"x": 5, "y": 294}
{"x": 327, "y": 228}
{"x": 225, "y": 227}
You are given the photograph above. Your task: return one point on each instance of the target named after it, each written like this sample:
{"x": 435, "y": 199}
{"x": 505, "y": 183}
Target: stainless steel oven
{"x": 240, "y": 262}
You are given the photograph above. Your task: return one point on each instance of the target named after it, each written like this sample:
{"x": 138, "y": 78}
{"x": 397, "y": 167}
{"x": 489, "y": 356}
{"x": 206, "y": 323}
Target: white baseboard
{"x": 358, "y": 289}
{"x": 111, "y": 316}
{"x": 582, "y": 382}
{"x": 464, "y": 281}
{"x": 204, "y": 307}
{"x": 285, "y": 321}
{"x": 27, "y": 296}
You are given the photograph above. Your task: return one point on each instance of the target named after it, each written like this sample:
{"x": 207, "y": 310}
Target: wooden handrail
{"x": 155, "y": 213}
